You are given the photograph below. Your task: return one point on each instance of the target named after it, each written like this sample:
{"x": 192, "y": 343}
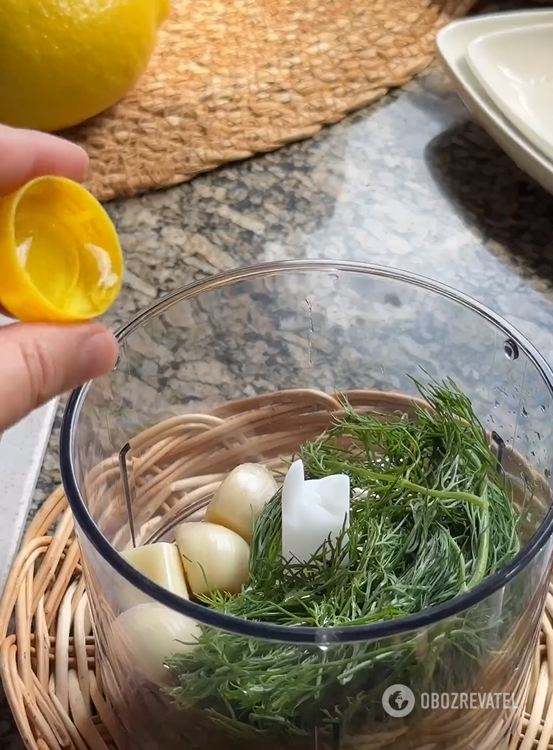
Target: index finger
{"x": 25, "y": 154}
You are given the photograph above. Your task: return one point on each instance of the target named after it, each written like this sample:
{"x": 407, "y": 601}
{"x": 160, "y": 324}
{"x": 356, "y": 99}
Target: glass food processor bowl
{"x": 245, "y": 367}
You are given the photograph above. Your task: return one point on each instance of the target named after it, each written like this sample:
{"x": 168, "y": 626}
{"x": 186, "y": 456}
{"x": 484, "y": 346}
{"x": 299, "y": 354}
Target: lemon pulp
{"x": 53, "y": 229}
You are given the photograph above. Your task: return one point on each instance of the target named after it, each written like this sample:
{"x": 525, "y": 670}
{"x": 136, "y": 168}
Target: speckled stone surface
{"x": 409, "y": 183}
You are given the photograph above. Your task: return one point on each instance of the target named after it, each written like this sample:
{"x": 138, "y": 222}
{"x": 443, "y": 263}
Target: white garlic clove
{"x": 150, "y": 634}
{"x": 241, "y": 497}
{"x": 161, "y": 563}
{"x": 213, "y": 557}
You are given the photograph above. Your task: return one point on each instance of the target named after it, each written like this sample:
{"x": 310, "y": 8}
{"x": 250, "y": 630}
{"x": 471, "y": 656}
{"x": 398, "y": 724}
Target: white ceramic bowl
{"x": 453, "y": 43}
{"x": 515, "y": 67}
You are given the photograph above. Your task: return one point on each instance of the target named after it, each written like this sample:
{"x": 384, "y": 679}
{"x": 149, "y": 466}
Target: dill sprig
{"x": 431, "y": 518}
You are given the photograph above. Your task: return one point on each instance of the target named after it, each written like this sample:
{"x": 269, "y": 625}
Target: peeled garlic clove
{"x": 152, "y": 633}
{"x": 213, "y": 557}
{"x": 159, "y": 562}
{"x": 241, "y": 497}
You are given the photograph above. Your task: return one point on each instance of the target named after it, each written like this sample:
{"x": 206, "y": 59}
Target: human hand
{"x": 37, "y": 360}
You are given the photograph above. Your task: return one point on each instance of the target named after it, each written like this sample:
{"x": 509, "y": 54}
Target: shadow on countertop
{"x": 512, "y": 212}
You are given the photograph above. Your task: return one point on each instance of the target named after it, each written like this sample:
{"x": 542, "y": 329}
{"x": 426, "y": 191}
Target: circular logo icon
{"x": 398, "y": 701}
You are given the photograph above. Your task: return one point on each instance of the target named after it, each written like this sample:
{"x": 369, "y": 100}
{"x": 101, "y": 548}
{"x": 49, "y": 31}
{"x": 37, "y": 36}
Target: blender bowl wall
{"x": 326, "y": 330}
{"x": 321, "y": 328}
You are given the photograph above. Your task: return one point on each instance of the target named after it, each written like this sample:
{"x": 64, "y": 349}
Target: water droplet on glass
{"x": 524, "y": 412}
{"x": 546, "y": 473}
{"x": 510, "y": 347}
{"x": 542, "y": 408}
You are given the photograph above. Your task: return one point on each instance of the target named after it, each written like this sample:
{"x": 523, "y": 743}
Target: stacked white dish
{"x": 502, "y": 67}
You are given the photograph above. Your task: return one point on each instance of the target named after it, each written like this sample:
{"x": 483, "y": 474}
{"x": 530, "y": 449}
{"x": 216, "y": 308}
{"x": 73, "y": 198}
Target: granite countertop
{"x": 410, "y": 182}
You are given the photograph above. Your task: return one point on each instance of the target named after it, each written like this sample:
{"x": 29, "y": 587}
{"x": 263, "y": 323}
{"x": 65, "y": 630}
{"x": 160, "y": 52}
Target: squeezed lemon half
{"x": 60, "y": 256}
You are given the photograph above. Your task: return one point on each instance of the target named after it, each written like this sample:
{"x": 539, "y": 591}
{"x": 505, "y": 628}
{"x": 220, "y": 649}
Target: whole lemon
{"x": 64, "y": 61}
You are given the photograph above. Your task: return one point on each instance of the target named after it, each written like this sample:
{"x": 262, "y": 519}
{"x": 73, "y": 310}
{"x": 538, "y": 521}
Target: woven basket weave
{"x": 49, "y": 674}
{"x": 235, "y": 78}
{"x": 47, "y": 651}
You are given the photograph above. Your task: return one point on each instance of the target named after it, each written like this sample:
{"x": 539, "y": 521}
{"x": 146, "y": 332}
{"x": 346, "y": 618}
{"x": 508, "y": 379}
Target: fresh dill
{"x": 431, "y": 518}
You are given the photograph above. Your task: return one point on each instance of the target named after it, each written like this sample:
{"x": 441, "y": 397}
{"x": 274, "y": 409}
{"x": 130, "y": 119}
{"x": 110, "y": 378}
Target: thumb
{"x": 40, "y": 361}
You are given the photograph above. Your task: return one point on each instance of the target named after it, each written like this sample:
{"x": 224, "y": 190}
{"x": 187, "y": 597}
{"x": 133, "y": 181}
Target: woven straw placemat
{"x": 232, "y": 78}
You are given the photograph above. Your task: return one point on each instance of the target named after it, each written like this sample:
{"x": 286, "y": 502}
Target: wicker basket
{"x": 48, "y": 664}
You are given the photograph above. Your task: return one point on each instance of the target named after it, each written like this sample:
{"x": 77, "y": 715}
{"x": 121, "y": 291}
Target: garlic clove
{"x": 161, "y": 563}
{"x": 241, "y": 497}
{"x": 150, "y": 634}
{"x": 213, "y": 557}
